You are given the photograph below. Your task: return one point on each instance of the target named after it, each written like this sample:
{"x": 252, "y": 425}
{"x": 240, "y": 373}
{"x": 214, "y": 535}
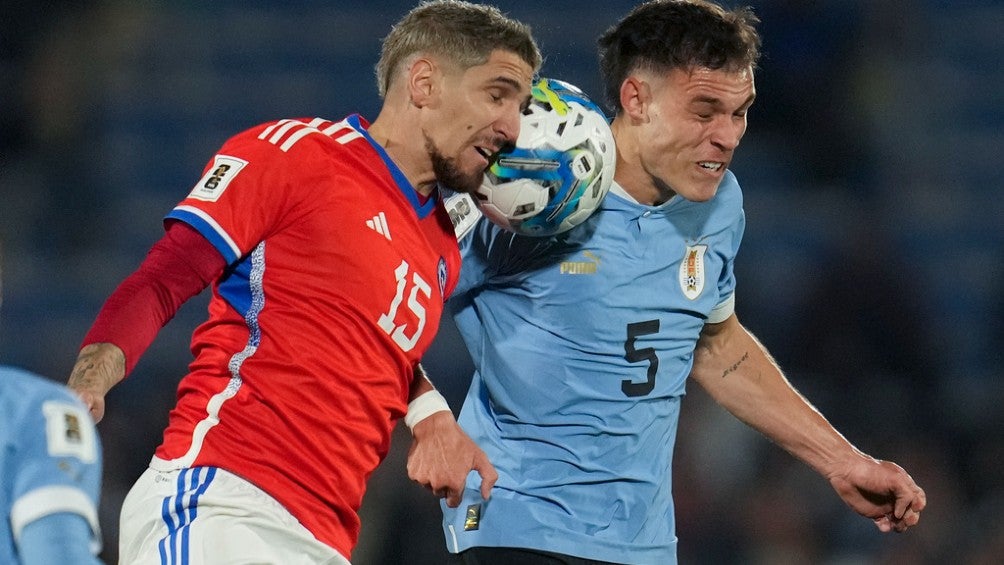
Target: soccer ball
{"x": 560, "y": 169}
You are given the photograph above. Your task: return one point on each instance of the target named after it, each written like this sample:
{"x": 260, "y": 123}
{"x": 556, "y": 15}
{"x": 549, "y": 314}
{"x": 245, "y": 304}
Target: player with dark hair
{"x": 330, "y": 255}
{"x": 581, "y": 371}
{"x": 50, "y": 473}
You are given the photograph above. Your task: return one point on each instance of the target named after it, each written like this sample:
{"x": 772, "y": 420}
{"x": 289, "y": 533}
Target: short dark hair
{"x": 664, "y": 35}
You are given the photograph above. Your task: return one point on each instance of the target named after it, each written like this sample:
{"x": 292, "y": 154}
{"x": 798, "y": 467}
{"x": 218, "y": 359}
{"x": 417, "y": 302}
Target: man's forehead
{"x": 702, "y": 83}
{"x": 504, "y": 67}
{"x": 706, "y": 74}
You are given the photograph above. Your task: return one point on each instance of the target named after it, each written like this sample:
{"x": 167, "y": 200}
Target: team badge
{"x": 211, "y": 186}
{"x": 473, "y": 519}
{"x": 692, "y": 271}
{"x": 441, "y": 275}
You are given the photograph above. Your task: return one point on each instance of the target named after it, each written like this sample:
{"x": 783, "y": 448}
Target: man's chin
{"x": 699, "y": 193}
{"x": 468, "y": 184}
{"x": 454, "y": 178}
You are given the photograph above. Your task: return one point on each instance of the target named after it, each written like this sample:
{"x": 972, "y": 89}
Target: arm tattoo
{"x": 735, "y": 365}
{"x": 91, "y": 370}
{"x": 82, "y": 374}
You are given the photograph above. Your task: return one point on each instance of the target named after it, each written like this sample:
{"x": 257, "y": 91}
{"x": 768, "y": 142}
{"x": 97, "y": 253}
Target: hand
{"x": 442, "y": 455}
{"x": 882, "y": 491}
{"x": 98, "y": 368}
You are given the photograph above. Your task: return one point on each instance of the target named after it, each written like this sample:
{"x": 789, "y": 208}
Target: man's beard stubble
{"x": 448, "y": 174}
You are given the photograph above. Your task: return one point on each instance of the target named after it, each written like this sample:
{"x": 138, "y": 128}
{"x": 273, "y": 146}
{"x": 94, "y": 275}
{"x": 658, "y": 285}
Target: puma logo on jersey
{"x": 589, "y": 267}
{"x": 378, "y": 224}
{"x": 216, "y": 180}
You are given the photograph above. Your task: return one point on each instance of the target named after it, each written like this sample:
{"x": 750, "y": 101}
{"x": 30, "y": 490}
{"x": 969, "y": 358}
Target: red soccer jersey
{"x": 338, "y": 274}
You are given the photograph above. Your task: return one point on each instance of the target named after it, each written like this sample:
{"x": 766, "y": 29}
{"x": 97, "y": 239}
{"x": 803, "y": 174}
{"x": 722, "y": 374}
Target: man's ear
{"x": 423, "y": 82}
{"x": 636, "y": 96}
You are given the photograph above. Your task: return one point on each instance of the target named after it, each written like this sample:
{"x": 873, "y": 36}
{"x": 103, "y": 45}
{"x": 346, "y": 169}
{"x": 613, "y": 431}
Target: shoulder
{"x": 40, "y": 406}
{"x": 292, "y": 152}
{"x": 296, "y": 137}
{"x": 726, "y": 208}
{"x": 26, "y": 387}
{"x": 730, "y": 194}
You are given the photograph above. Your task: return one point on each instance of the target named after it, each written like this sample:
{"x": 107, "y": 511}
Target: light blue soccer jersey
{"x": 50, "y": 461}
{"x": 583, "y": 343}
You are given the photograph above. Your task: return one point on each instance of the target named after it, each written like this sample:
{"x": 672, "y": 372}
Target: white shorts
{"x": 208, "y": 516}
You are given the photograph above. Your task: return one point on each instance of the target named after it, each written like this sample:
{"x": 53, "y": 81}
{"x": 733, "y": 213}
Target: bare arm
{"x": 99, "y": 367}
{"x": 741, "y": 376}
{"x": 442, "y": 454}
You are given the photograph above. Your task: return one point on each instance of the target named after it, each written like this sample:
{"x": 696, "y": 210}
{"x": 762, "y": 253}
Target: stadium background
{"x": 872, "y": 264}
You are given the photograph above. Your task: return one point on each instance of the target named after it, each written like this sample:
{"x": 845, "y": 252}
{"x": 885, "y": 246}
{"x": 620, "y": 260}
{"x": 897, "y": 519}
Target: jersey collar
{"x": 360, "y": 124}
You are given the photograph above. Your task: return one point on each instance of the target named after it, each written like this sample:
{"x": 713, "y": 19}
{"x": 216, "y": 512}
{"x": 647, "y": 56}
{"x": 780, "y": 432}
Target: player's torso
{"x": 622, "y": 299}
{"x": 307, "y": 356}
{"x": 584, "y": 350}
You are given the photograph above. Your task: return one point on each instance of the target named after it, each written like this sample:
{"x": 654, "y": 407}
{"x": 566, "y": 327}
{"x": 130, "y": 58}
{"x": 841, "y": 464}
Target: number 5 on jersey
{"x": 636, "y": 355}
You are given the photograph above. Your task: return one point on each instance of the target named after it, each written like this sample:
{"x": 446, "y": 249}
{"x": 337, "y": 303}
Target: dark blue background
{"x": 872, "y": 264}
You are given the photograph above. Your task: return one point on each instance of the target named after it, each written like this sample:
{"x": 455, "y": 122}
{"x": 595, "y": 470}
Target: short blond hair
{"x": 463, "y": 32}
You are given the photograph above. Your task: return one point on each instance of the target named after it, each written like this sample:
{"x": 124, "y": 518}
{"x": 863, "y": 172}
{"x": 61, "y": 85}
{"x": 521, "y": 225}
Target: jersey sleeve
{"x": 59, "y": 538}
{"x": 727, "y": 281}
{"x": 247, "y": 191}
{"x": 179, "y": 266}
{"x": 56, "y": 466}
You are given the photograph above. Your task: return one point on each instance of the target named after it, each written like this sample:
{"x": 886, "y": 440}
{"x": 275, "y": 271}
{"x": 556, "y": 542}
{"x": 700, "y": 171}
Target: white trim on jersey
{"x": 345, "y": 137}
{"x": 723, "y": 310}
{"x": 216, "y": 403}
{"x": 48, "y": 500}
{"x": 216, "y": 227}
{"x": 280, "y": 131}
{"x": 297, "y": 136}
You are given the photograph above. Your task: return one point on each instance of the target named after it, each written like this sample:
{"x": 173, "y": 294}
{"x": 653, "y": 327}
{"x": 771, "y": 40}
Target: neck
{"x": 630, "y": 172}
{"x": 411, "y": 158}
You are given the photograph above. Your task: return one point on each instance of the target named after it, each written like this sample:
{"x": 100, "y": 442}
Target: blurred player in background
{"x": 581, "y": 371}
{"x": 330, "y": 255}
{"x": 50, "y": 473}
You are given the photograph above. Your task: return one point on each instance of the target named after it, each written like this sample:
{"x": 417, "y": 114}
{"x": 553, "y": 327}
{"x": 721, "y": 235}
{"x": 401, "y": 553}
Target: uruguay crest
{"x": 692, "y": 271}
